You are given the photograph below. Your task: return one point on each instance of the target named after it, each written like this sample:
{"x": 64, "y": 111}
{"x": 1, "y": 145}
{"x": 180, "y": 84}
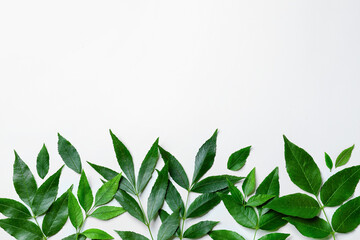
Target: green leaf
{"x": 344, "y": 157}
{"x": 249, "y": 183}
{"x": 296, "y": 205}
{"x": 107, "y": 173}
{"x": 173, "y": 198}
{"x": 148, "y": 166}
{"x": 271, "y": 221}
{"x": 205, "y": 158}
{"x": 126, "y": 235}
{"x": 346, "y": 218}
{"x": 176, "y": 170}
{"x": 157, "y": 195}
{"x": 75, "y": 213}
{"x": 340, "y": 187}
{"x": 203, "y": 204}
{"x": 129, "y": 204}
{"x": 124, "y": 158}
{"x": 302, "y": 168}
{"x": 235, "y": 193}
{"x": 57, "y": 215}
{"x": 245, "y": 216}
{"x": 94, "y": 233}
{"x": 225, "y": 235}
{"x": 46, "y": 194}
{"x": 238, "y": 159}
{"x": 199, "y": 229}
{"x": 328, "y": 161}
{"x": 163, "y": 215}
{"x": 169, "y": 226}
{"x": 270, "y": 185}
{"x": 259, "y": 199}
{"x": 22, "y": 174}
{"x": 214, "y": 183}
{"x": 84, "y": 193}
{"x": 69, "y": 154}
{"x": 313, "y": 228}
{"x": 75, "y": 237}
{"x": 13, "y": 209}
{"x": 275, "y": 236}
{"x": 107, "y": 191}
{"x": 21, "y": 229}
{"x": 42, "y": 162}
{"x": 107, "y": 212}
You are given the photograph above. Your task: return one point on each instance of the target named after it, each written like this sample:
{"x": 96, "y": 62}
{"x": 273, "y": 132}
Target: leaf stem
{"x": 184, "y": 216}
{"x": 326, "y": 217}
{"x": 255, "y": 232}
{"x": 147, "y": 222}
{"x": 37, "y": 223}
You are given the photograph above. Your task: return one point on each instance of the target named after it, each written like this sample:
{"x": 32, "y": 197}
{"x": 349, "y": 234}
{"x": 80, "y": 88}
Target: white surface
{"x": 179, "y": 70}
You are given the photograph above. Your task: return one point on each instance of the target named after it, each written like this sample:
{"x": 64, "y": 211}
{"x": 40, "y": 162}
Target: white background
{"x": 178, "y": 70}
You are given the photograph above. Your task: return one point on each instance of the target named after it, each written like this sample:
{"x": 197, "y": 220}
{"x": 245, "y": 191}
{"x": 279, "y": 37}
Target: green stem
{"x": 255, "y": 232}
{"x": 45, "y": 238}
{"x": 326, "y": 217}
{"x": 184, "y": 216}
{"x": 147, "y": 222}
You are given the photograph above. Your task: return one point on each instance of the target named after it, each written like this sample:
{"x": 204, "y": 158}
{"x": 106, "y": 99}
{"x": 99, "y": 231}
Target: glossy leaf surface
{"x": 249, "y": 183}
{"x": 329, "y": 163}
{"x": 129, "y": 204}
{"x": 157, "y": 195}
{"x": 270, "y": 185}
{"x": 203, "y": 204}
{"x": 225, "y": 235}
{"x": 107, "y": 191}
{"x": 42, "y": 162}
{"x": 238, "y": 159}
{"x": 169, "y": 226}
{"x": 275, "y": 236}
{"x": 127, "y": 235}
{"x": 347, "y": 217}
{"x": 13, "y": 209}
{"x": 313, "y": 228}
{"x": 75, "y": 213}
{"x": 21, "y": 229}
{"x": 84, "y": 193}
{"x": 173, "y": 198}
{"x": 69, "y": 154}
{"x": 344, "y": 157}
{"x": 214, "y": 183}
{"x": 107, "y": 212}
{"x": 200, "y": 229}
{"x": 94, "y": 233}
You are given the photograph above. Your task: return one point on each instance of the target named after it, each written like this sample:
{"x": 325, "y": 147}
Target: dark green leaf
{"x": 124, "y": 158}
{"x": 94, "y": 233}
{"x": 84, "y": 193}
{"x": 46, "y": 194}
{"x": 148, "y": 166}
{"x": 163, "y": 215}
{"x": 176, "y": 171}
{"x": 157, "y": 195}
{"x": 107, "y": 212}
{"x": 173, "y": 198}
{"x": 69, "y": 154}
{"x": 126, "y": 235}
{"x": 302, "y": 168}
{"x": 75, "y": 213}
{"x": 107, "y": 191}
{"x": 129, "y": 204}
{"x": 21, "y": 229}
{"x": 271, "y": 221}
{"x": 13, "y": 209}
{"x": 249, "y": 183}
{"x": 107, "y": 173}
{"x": 296, "y": 205}
{"x": 235, "y": 193}
{"x": 126, "y": 186}
{"x": 340, "y": 187}
{"x": 259, "y": 199}
{"x": 238, "y": 159}
{"x": 275, "y": 236}
{"x": 203, "y": 204}
{"x": 169, "y": 226}
{"x": 205, "y": 157}
{"x": 200, "y": 229}
{"x": 347, "y": 217}
{"x": 328, "y": 161}
{"x": 270, "y": 185}
{"x": 225, "y": 235}
{"x": 313, "y": 228}
{"x": 22, "y": 174}
{"x": 42, "y": 162}
{"x": 74, "y": 237}
{"x": 344, "y": 157}
{"x": 214, "y": 183}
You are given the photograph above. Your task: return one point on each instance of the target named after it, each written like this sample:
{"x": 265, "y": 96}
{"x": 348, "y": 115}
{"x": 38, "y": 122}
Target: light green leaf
{"x": 259, "y": 199}
{"x": 328, "y": 161}
{"x": 126, "y": 235}
{"x": 21, "y": 229}
{"x": 200, "y": 229}
{"x": 169, "y": 226}
{"x": 42, "y": 162}
{"x": 157, "y": 195}
{"x": 302, "y": 168}
{"x": 107, "y": 212}
{"x": 225, "y": 235}
{"x": 238, "y": 159}
{"x": 13, "y": 209}
{"x": 173, "y": 198}
{"x": 296, "y": 205}
{"x": 235, "y": 193}
{"x": 75, "y": 213}
{"x": 84, "y": 193}
{"x": 347, "y": 217}
{"x": 214, "y": 183}
{"x": 275, "y": 236}
{"x": 205, "y": 157}
{"x": 203, "y": 204}
{"x": 313, "y": 228}
{"x": 129, "y": 204}
{"x": 94, "y": 233}
{"x": 107, "y": 191}
{"x": 22, "y": 174}
{"x": 69, "y": 154}
{"x": 249, "y": 183}
{"x": 271, "y": 221}
{"x": 270, "y": 185}
{"x": 344, "y": 157}
{"x": 74, "y": 237}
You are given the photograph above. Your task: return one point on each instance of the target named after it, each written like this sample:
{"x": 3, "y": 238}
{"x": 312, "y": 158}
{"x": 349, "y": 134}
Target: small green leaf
{"x": 129, "y": 204}
{"x": 173, "y": 198}
{"x": 344, "y": 157}
{"x": 148, "y": 166}
{"x": 203, "y": 204}
{"x": 200, "y": 229}
{"x": 313, "y": 228}
{"x": 302, "y": 168}
{"x": 346, "y": 218}
{"x": 107, "y": 212}
{"x": 176, "y": 170}
{"x": 126, "y": 235}
{"x": 169, "y": 226}
{"x": 259, "y": 199}
{"x": 205, "y": 157}
{"x": 225, "y": 235}
{"x": 296, "y": 205}
{"x": 238, "y": 159}
{"x": 75, "y": 237}
{"x": 157, "y": 195}
{"x": 42, "y": 162}
{"x": 124, "y": 158}
{"x": 46, "y": 194}
{"x": 22, "y": 174}
{"x": 270, "y": 185}
{"x": 275, "y": 236}
{"x": 84, "y": 193}
{"x": 107, "y": 191}
{"x": 69, "y": 154}
{"x": 271, "y": 221}
{"x": 214, "y": 183}
{"x": 328, "y": 161}
{"x": 94, "y": 233}
{"x": 21, "y": 229}
{"x": 75, "y": 213}
{"x": 235, "y": 193}
{"x": 340, "y": 187}
{"x": 107, "y": 173}
{"x": 249, "y": 183}
{"x": 13, "y": 209}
